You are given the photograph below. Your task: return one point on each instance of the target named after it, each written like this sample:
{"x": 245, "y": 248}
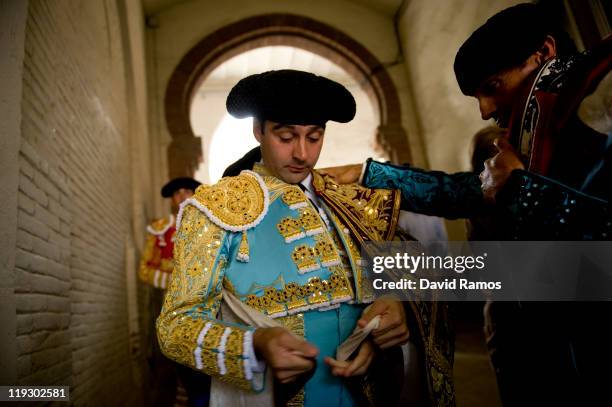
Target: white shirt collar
{"x": 307, "y": 182}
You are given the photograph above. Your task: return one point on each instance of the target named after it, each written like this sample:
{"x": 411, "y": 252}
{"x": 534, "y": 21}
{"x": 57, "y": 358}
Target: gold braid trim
{"x": 370, "y": 214}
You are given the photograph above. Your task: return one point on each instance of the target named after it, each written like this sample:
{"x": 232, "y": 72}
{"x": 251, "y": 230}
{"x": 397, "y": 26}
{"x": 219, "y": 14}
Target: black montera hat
{"x": 506, "y": 40}
{"x": 177, "y": 183}
{"x": 291, "y": 97}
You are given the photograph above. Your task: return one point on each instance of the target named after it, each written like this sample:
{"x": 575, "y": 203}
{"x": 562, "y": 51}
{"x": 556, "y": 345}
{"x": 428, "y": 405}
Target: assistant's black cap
{"x": 177, "y": 183}
{"x": 506, "y": 40}
{"x": 291, "y": 97}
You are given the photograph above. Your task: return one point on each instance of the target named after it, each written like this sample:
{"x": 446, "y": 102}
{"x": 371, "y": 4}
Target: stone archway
{"x": 277, "y": 29}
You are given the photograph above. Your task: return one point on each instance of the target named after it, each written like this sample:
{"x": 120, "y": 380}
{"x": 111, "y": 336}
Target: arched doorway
{"x": 225, "y": 139}
{"x": 277, "y": 29}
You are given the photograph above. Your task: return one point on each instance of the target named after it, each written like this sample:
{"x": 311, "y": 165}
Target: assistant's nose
{"x": 487, "y": 106}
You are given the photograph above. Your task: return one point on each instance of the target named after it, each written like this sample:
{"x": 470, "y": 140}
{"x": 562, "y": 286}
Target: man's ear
{"x": 547, "y": 51}
{"x": 257, "y": 129}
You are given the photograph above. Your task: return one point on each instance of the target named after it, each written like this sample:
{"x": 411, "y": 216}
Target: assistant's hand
{"x": 355, "y": 367}
{"x": 287, "y": 355}
{"x": 345, "y": 174}
{"x": 498, "y": 169}
{"x": 393, "y": 328}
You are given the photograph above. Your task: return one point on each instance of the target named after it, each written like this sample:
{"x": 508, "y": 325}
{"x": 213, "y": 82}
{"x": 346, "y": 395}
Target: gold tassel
{"x": 243, "y": 249}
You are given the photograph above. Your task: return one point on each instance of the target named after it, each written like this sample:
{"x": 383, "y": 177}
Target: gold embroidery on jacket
{"x": 233, "y": 201}
{"x": 311, "y": 221}
{"x": 370, "y": 214}
{"x": 290, "y": 229}
{"x": 293, "y": 298}
{"x": 187, "y": 328}
{"x": 307, "y": 224}
{"x": 326, "y": 251}
{"x": 295, "y": 198}
{"x": 305, "y": 258}
{"x": 212, "y": 340}
{"x": 180, "y": 340}
{"x": 235, "y": 346}
{"x": 296, "y": 298}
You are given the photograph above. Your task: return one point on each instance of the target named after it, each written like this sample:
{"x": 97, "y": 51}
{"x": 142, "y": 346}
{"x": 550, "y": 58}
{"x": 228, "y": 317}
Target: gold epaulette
{"x": 235, "y": 204}
{"x": 370, "y": 214}
{"x": 160, "y": 226}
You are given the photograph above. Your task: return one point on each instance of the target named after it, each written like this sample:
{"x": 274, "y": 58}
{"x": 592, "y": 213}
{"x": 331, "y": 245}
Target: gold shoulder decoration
{"x": 370, "y": 214}
{"x": 160, "y": 226}
{"x": 235, "y": 204}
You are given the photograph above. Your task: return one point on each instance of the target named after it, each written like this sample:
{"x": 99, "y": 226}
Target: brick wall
{"x": 74, "y": 208}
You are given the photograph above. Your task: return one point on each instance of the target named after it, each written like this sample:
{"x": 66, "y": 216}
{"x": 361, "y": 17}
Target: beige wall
{"x": 82, "y": 185}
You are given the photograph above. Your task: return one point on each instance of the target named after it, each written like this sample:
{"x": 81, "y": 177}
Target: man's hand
{"x": 393, "y": 328}
{"x": 345, "y": 174}
{"x": 355, "y": 367}
{"x": 287, "y": 355}
{"x": 498, "y": 169}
